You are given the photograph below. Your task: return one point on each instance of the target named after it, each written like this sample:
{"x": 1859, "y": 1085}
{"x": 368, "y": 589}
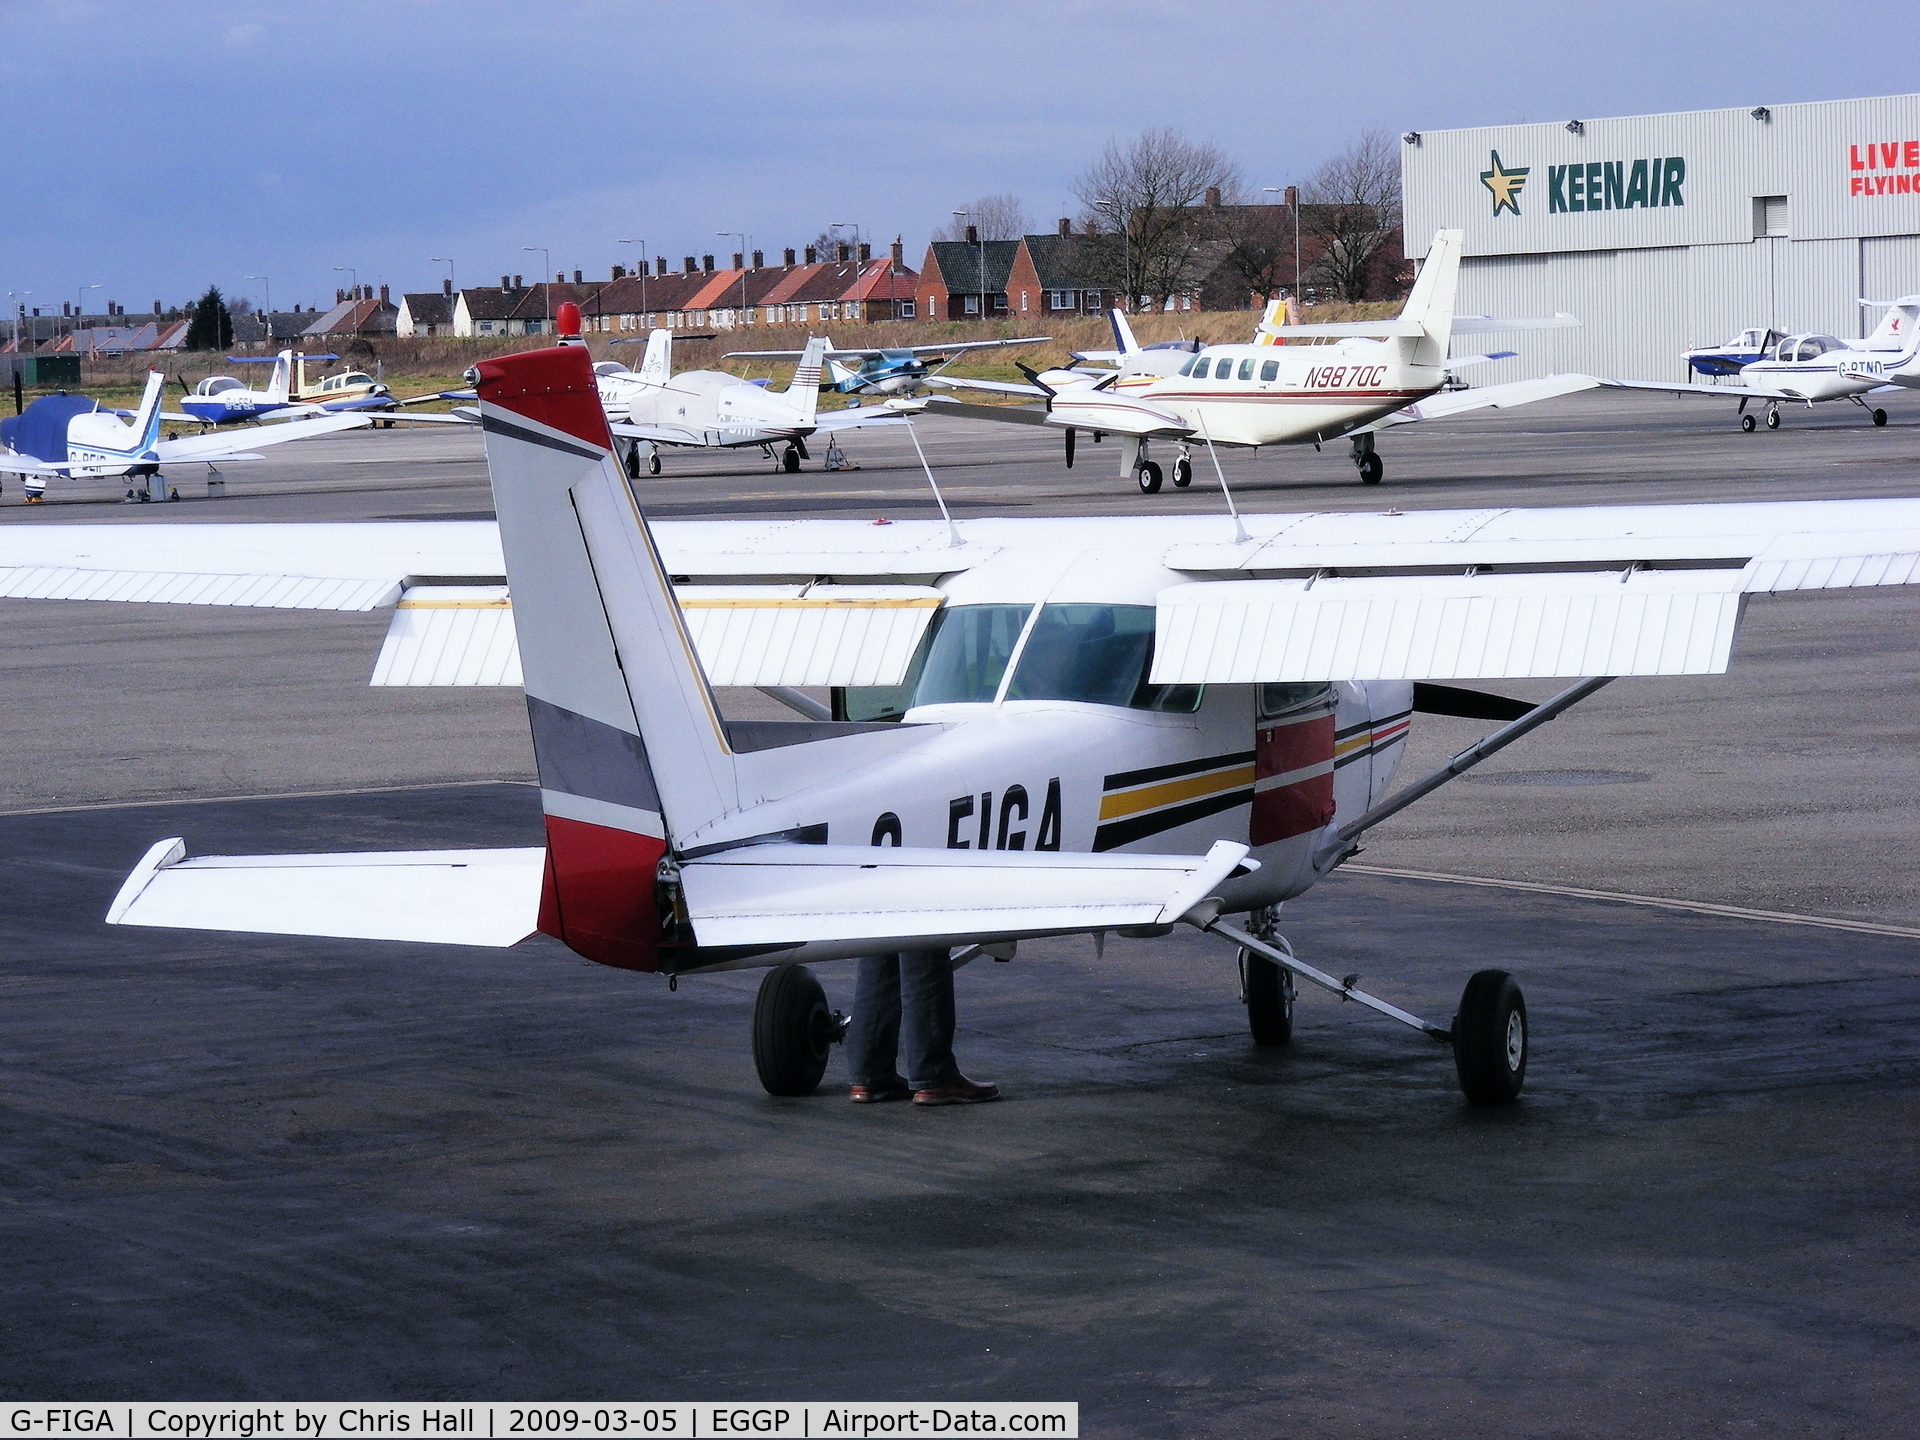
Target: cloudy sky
{"x": 163, "y": 146}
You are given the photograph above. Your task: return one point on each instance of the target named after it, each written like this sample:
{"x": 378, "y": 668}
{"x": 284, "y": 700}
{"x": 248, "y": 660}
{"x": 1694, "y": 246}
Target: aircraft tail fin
{"x": 146, "y": 421}
{"x": 1122, "y": 332}
{"x": 629, "y": 745}
{"x": 656, "y": 366}
{"x": 842, "y": 374}
{"x": 1431, "y": 303}
{"x": 804, "y": 392}
{"x": 278, "y": 387}
{"x": 1898, "y": 328}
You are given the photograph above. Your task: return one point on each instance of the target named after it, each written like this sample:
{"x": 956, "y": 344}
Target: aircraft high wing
{"x": 61, "y": 436}
{"x": 1145, "y": 721}
{"x": 891, "y": 370}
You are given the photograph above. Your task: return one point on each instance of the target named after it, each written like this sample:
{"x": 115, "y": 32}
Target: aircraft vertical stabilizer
{"x": 656, "y": 366}
{"x": 277, "y": 387}
{"x": 1430, "y": 305}
{"x": 804, "y": 391}
{"x": 146, "y": 423}
{"x": 1122, "y": 332}
{"x": 629, "y": 744}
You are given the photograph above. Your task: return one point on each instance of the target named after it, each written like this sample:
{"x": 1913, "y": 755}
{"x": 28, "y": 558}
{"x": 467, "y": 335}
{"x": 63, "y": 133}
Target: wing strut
{"x": 1345, "y": 989}
{"x": 1341, "y": 845}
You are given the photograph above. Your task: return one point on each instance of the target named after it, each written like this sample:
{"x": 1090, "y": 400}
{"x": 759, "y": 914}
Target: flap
{"x": 781, "y": 894}
{"x": 449, "y": 897}
{"x": 1447, "y": 627}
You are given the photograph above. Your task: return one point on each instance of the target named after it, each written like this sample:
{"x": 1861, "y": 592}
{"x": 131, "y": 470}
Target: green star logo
{"x": 1504, "y": 185}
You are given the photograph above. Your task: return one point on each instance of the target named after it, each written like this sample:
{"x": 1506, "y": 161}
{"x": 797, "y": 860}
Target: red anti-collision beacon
{"x": 566, "y": 321}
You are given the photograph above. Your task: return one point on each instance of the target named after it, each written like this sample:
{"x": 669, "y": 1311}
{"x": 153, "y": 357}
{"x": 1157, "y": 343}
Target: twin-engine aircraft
{"x": 897, "y": 370}
{"x": 1374, "y": 373}
{"x": 1041, "y": 727}
{"x": 69, "y": 435}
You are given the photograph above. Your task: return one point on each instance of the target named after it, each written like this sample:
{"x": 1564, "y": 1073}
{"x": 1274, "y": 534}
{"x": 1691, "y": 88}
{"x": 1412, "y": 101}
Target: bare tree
{"x": 1256, "y": 248}
{"x": 997, "y": 217}
{"x": 1352, "y": 210}
{"x": 1145, "y": 235}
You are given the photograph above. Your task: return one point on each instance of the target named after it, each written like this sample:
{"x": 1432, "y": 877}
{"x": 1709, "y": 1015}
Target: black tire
{"x": 633, "y": 463}
{"x": 1182, "y": 473}
{"x": 1149, "y": 477}
{"x": 1773, "y": 419}
{"x": 1372, "y": 467}
{"x": 1879, "y": 417}
{"x": 653, "y": 465}
{"x": 1747, "y": 423}
{"x": 790, "y": 461}
{"x": 792, "y": 1031}
{"x": 1269, "y": 999}
{"x": 1490, "y": 1039}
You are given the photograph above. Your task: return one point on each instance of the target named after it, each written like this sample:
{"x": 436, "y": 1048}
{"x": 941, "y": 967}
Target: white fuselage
{"x": 712, "y": 407}
{"x": 1819, "y": 367}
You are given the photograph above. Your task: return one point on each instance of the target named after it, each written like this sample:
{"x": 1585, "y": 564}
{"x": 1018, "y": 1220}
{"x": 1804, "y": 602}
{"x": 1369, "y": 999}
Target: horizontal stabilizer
{"x": 224, "y": 446}
{"x": 449, "y": 897}
{"x": 1447, "y": 627}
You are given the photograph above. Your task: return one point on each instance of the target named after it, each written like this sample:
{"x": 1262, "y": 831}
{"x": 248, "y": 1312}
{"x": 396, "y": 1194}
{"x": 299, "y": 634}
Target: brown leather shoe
{"x": 894, "y": 1087}
{"x": 958, "y": 1091}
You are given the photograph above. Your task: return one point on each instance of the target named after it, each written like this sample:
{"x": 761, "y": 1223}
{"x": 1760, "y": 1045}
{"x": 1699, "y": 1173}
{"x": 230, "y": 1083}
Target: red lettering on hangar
{"x": 1884, "y": 167}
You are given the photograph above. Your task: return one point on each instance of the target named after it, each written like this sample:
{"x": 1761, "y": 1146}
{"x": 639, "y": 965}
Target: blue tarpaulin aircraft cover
{"x": 41, "y": 430}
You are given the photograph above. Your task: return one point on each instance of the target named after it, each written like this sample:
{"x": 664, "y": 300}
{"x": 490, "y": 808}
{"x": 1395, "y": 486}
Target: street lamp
{"x": 1293, "y": 203}
{"x": 643, "y": 270}
{"x": 453, "y": 290}
{"x": 267, "y": 322}
{"x": 79, "y": 303}
{"x": 546, "y": 288}
{"x": 746, "y": 244}
{"x": 14, "y": 297}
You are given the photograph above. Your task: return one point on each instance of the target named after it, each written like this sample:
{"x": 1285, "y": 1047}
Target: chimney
{"x": 866, "y": 253}
{"x": 706, "y": 264}
{"x": 973, "y": 234}
{"x": 758, "y": 260}
{"x": 739, "y": 261}
{"x": 1213, "y": 197}
{"x": 156, "y": 307}
{"x": 812, "y": 257}
{"x": 846, "y": 253}
{"x": 1092, "y": 227}
{"x": 1066, "y": 227}
{"x": 383, "y": 296}
{"x": 619, "y": 272}
{"x": 788, "y": 254}
{"x": 1293, "y": 196}
{"x": 516, "y": 283}
{"x": 688, "y": 267}
{"x": 446, "y": 288}
{"x": 659, "y": 265}
{"x": 899, "y": 253}
{"x": 576, "y": 277}
{"x": 339, "y": 296}
{"x": 66, "y": 312}
{"x": 505, "y": 283}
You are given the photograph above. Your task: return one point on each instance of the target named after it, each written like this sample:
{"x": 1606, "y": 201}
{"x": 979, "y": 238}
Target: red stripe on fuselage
{"x": 1306, "y": 805}
{"x": 554, "y": 387}
{"x": 599, "y": 893}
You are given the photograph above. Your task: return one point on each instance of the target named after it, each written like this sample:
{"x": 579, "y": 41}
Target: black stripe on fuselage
{"x": 1138, "y": 827}
{"x": 1127, "y": 779}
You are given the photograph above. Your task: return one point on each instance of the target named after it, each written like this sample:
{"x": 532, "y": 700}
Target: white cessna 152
{"x": 1261, "y": 394}
{"x": 1104, "y": 724}
{"x": 712, "y": 409}
{"x": 70, "y": 435}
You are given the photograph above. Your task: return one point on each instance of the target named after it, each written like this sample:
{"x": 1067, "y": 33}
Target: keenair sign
{"x": 1617, "y": 185}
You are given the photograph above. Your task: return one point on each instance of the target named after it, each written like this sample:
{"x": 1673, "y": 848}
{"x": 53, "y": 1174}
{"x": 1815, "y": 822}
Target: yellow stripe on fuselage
{"x": 1172, "y": 792}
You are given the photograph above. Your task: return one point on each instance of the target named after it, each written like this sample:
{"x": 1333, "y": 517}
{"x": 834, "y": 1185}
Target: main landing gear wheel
{"x": 792, "y": 1031}
{"x": 1182, "y": 473}
{"x": 1372, "y": 467}
{"x": 1773, "y": 419}
{"x": 1269, "y": 995}
{"x": 653, "y": 463}
{"x": 1490, "y": 1039}
{"x": 1879, "y": 417}
{"x": 1148, "y": 474}
{"x": 1747, "y": 422}
{"x": 790, "y": 461}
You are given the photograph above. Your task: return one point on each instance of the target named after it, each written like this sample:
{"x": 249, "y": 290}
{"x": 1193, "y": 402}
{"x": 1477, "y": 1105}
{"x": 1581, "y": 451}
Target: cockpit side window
{"x": 1187, "y": 369}
{"x": 967, "y": 653}
{"x": 1098, "y": 655}
{"x": 1283, "y": 699}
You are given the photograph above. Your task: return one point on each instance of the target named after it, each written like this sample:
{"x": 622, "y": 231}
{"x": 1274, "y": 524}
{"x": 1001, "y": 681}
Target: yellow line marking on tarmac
{"x": 1657, "y": 902}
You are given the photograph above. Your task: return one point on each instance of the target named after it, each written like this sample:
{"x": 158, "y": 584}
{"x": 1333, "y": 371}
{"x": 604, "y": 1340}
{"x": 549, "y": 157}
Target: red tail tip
{"x": 566, "y": 320}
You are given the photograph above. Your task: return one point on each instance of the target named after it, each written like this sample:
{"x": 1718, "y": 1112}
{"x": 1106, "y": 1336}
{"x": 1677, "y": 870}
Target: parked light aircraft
{"x": 898, "y": 370}
{"x": 222, "y": 400}
{"x": 1259, "y": 394}
{"x": 1109, "y": 724}
{"x": 70, "y": 435}
{"x": 1811, "y": 369}
{"x": 1736, "y": 354}
{"x": 712, "y": 409}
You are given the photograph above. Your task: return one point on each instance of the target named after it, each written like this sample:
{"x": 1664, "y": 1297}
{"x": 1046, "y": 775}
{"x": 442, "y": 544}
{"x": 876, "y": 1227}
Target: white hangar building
{"x": 1661, "y": 232}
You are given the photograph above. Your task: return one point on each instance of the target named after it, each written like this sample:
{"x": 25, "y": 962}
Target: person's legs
{"x": 926, "y": 1017}
{"x": 873, "y": 1038}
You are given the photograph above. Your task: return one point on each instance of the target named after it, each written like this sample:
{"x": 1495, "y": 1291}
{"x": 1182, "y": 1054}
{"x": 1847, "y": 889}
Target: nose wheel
{"x": 790, "y": 460}
{"x": 1490, "y": 1039}
{"x": 1182, "y": 472}
{"x": 1367, "y": 460}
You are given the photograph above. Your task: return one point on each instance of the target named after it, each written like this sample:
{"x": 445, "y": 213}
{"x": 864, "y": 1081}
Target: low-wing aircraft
{"x": 895, "y": 370}
{"x": 70, "y": 435}
{"x": 1104, "y": 725}
{"x": 222, "y": 400}
{"x": 1264, "y": 394}
{"x": 1734, "y": 355}
{"x": 710, "y": 409}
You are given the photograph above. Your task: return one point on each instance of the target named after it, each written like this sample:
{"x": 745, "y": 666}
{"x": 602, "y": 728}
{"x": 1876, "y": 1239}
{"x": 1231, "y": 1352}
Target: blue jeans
{"x": 905, "y": 997}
